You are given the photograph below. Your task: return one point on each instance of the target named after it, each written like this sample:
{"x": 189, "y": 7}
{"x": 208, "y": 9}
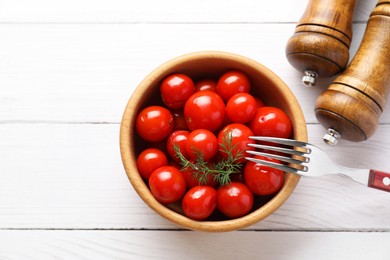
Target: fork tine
{"x": 279, "y": 149}
{"x": 280, "y": 158}
{"x": 289, "y": 142}
{"x": 278, "y": 166}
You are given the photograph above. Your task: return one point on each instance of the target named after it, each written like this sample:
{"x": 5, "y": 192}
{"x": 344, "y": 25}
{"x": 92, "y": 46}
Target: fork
{"x": 306, "y": 159}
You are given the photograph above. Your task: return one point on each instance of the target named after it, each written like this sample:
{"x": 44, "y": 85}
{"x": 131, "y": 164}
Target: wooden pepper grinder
{"x": 353, "y": 103}
{"x": 320, "y": 44}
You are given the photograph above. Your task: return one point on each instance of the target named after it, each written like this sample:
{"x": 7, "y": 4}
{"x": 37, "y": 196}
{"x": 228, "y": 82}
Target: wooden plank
{"x": 86, "y": 73}
{"x": 192, "y": 245}
{"x": 67, "y": 70}
{"x": 154, "y": 11}
{"x": 70, "y": 176}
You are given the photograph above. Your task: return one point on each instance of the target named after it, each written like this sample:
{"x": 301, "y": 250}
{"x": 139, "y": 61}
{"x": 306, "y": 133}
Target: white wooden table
{"x": 67, "y": 69}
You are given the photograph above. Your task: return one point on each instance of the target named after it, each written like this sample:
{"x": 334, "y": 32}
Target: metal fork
{"x": 309, "y": 160}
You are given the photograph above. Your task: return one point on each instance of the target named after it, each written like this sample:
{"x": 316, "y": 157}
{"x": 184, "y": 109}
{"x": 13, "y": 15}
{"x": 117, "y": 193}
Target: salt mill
{"x": 353, "y": 103}
{"x": 320, "y": 44}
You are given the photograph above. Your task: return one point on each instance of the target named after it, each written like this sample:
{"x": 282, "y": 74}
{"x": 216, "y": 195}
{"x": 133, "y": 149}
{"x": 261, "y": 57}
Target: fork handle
{"x": 379, "y": 180}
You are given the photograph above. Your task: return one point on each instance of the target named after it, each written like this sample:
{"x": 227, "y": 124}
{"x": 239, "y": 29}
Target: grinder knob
{"x": 354, "y": 101}
{"x": 320, "y": 44}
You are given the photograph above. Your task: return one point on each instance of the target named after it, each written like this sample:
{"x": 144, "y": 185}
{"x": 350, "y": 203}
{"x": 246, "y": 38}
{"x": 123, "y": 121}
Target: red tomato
{"x": 241, "y": 108}
{"x": 167, "y": 184}
{"x": 178, "y": 138}
{"x": 234, "y": 200}
{"x": 149, "y": 160}
{"x": 239, "y": 135}
{"x": 176, "y": 89}
{"x": 154, "y": 123}
{"x": 204, "y": 109}
{"x": 261, "y": 179}
{"x": 231, "y": 83}
{"x": 192, "y": 181}
{"x": 201, "y": 141}
{"x": 271, "y": 121}
{"x": 206, "y": 84}
{"x": 199, "y": 202}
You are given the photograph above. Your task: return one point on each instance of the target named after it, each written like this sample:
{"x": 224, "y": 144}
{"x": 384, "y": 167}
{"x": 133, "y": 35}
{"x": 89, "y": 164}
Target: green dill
{"x": 221, "y": 170}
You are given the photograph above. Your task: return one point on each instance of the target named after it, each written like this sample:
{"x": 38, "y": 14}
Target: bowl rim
{"x": 129, "y": 160}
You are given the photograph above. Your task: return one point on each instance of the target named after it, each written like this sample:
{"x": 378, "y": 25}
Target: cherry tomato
{"x": 234, "y": 199}
{"x": 149, "y": 160}
{"x": 261, "y": 179}
{"x": 206, "y": 84}
{"x": 192, "y": 181}
{"x": 179, "y": 138}
{"x": 271, "y": 121}
{"x": 199, "y": 202}
{"x": 201, "y": 142}
{"x": 231, "y": 83}
{"x": 167, "y": 184}
{"x": 241, "y": 108}
{"x": 204, "y": 109}
{"x": 154, "y": 123}
{"x": 236, "y": 138}
{"x": 176, "y": 89}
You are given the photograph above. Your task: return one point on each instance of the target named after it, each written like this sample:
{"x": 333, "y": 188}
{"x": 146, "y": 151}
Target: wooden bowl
{"x": 265, "y": 84}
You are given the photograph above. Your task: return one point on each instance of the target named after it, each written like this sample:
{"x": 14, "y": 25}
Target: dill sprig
{"x": 222, "y": 170}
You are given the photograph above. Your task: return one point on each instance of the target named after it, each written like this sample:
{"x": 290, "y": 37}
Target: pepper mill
{"x": 353, "y": 103}
{"x": 320, "y": 44}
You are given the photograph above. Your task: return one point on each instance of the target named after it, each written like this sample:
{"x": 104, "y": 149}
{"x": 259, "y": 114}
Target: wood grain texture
{"x": 353, "y": 103}
{"x": 192, "y": 245}
{"x": 153, "y": 11}
{"x": 67, "y": 69}
{"x": 86, "y": 73}
{"x": 70, "y": 176}
{"x": 264, "y": 84}
{"x": 322, "y": 37}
